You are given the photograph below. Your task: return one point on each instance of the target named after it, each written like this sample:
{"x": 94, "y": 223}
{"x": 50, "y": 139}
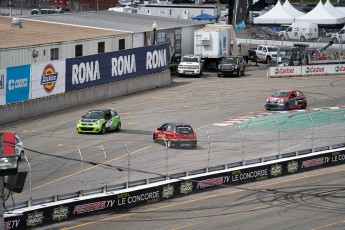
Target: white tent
{"x": 334, "y": 11}
{"x": 292, "y": 10}
{"x": 277, "y": 15}
{"x": 320, "y": 15}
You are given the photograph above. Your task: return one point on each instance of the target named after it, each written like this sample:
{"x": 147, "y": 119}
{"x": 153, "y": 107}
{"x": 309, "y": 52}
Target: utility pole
{"x": 231, "y": 12}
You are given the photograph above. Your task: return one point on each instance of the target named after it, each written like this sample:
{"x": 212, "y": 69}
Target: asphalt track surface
{"x": 52, "y": 142}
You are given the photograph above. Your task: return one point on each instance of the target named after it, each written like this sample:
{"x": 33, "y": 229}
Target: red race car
{"x": 287, "y": 99}
{"x": 175, "y": 135}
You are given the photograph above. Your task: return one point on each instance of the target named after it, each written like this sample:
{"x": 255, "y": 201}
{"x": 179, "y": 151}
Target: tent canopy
{"x": 320, "y": 15}
{"x": 277, "y": 15}
{"x": 292, "y": 10}
{"x": 205, "y": 17}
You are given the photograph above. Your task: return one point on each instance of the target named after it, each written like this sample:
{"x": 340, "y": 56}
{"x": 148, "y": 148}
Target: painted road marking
{"x": 245, "y": 117}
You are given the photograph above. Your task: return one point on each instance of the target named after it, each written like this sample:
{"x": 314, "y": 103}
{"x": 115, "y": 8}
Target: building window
{"x": 54, "y": 54}
{"x": 79, "y": 50}
{"x": 101, "y": 46}
{"x": 122, "y": 44}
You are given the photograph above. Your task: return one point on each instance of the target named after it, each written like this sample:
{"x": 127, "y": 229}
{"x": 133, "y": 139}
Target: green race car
{"x": 99, "y": 121}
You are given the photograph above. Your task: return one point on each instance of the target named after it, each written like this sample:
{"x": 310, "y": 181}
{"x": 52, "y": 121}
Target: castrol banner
{"x": 284, "y": 71}
{"x": 336, "y": 69}
{"x": 307, "y": 70}
{"x": 314, "y": 70}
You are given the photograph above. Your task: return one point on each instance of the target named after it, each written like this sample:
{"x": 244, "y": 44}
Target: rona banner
{"x": 88, "y": 71}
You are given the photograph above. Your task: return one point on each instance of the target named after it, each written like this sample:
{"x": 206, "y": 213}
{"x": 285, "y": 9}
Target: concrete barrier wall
{"x": 37, "y": 107}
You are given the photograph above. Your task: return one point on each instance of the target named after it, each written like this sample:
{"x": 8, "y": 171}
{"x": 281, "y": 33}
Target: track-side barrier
{"x": 125, "y": 198}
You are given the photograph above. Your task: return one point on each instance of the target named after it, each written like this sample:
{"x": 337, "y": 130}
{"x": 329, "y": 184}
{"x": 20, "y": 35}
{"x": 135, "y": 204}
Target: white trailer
{"x": 215, "y": 41}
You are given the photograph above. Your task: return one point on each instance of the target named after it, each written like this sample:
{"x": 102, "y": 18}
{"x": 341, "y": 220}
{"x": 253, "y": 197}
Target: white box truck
{"x": 215, "y": 41}
{"x": 302, "y": 31}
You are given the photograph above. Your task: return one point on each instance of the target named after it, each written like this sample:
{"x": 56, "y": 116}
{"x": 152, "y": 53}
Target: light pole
{"x": 154, "y": 28}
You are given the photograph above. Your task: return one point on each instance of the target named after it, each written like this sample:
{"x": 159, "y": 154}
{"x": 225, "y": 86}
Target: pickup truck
{"x": 266, "y": 53}
{"x": 338, "y": 37}
{"x": 190, "y": 65}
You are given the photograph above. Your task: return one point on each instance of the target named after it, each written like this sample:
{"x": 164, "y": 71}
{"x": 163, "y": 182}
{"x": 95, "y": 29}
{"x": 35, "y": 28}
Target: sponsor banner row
{"x": 309, "y": 70}
{"x": 127, "y": 200}
{"x": 27, "y": 82}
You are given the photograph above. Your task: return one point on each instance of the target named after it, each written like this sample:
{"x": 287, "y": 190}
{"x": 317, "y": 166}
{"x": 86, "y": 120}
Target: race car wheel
{"x": 304, "y": 105}
{"x": 169, "y": 144}
{"x": 154, "y": 138}
{"x": 21, "y": 156}
{"x": 103, "y": 129}
{"x": 118, "y": 128}
{"x": 286, "y": 106}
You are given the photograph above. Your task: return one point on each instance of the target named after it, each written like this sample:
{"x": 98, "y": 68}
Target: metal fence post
{"x": 81, "y": 174}
{"x": 105, "y": 169}
{"x": 279, "y": 154}
{"x": 312, "y": 133}
{"x": 166, "y": 160}
{"x": 30, "y": 180}
{"x": 242, "y": 138}
{"x": 208, "y": 156}
{"x": 128, "y": 166}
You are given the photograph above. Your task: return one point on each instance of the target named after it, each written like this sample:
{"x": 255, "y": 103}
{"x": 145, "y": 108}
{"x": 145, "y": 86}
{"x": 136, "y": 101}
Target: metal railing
{"x": 258, "y": 138}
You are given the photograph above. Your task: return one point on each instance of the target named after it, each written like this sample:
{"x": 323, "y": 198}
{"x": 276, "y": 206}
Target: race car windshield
{"x": 229, "y": 61}
{"x": 184, "y": 129}
{"x": 94, "y": 115}
{"x": 281, "y": 94}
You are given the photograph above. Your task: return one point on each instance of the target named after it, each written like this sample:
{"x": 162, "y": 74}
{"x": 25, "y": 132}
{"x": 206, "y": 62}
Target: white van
{"x": 302, "y": 31}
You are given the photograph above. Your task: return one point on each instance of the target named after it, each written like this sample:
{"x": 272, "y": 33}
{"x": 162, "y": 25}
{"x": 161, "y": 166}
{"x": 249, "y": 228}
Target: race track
{"x": 52, "y": 142}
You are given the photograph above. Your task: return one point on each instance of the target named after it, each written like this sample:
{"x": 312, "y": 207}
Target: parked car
{"x": 286, "y": 99}
{"x": 308, "y": 7}
{"x": 18, "y": 147}
{"x": 231, "y": 66}
{"x": 175, "y": 134}
{"x": 263, "y": 32}
{"x": 99, "y": 121}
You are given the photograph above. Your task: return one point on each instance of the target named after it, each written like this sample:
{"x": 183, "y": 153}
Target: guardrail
{"x": 162, "y": 189}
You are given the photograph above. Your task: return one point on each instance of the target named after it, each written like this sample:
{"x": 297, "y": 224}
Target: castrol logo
{"x": 284, "y": 71}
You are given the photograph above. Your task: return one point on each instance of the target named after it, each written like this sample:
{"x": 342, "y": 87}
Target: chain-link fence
{"x": 125, "y": 163}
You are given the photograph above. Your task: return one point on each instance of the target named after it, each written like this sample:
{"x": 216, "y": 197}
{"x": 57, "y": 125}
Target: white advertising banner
{"x": 336, "y": 69}
{"x": 2, "y": 86}
{"x": 311, "y": 70}
{"x": 48, "y": 79}
{"x": 281, "y": 71}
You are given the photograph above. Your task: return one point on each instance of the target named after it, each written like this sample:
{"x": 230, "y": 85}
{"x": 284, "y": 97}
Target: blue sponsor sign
{"x": 88, "y": 71}
{"x": 18, "y": 83}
